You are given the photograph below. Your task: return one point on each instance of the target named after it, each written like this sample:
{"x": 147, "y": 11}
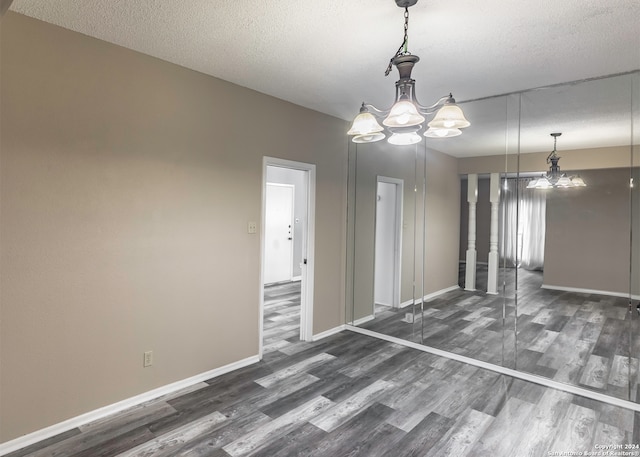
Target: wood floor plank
{"x": 167, "y": 444}
{"x": 341, "y": 412}
{"x": 237, "y": 425}
{"x": 460, "y": 438}
{"x": 423, "y": 436}
{"x": 576, "y": 432}
{"x": 300, "y": 441}
{"x": 596, "y": 372}
{"x": 547, "y": 414}
{"x": 278, "y": 376}
{"x": 277, "y": 427}
{"x": 352, "y": 436}
{"x": 514, "y": 417}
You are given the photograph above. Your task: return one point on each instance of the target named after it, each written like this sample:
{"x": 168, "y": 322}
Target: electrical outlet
{"x": 148, "y": 359}
{"x": 252, "y": 227}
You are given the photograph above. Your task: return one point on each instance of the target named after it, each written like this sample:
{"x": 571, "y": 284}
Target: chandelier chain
{"x": 405, "y": 42}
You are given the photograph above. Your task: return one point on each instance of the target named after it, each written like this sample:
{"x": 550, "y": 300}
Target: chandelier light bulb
{"x": 449, "y": 116}
{"x": 403, "y": 114}
{"x": 365, "y": 124}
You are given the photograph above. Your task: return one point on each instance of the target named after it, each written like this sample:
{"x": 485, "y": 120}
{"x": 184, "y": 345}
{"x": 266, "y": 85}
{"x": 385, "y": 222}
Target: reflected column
{"x": 494, "y": 198}
{"x": 472, "y": 199}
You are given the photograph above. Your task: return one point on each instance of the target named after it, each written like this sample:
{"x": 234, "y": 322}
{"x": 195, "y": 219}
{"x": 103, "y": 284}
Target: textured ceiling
{"x": 330, "y": 55}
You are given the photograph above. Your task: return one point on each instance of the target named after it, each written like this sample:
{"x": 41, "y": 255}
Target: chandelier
{"x": 554, "y": 178}
{"x": 405, "y": 118}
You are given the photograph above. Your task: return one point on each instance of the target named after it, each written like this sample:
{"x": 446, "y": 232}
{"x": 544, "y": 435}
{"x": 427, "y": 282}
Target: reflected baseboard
{"x": 428, "y": 297}
{"x": 589, "y": 291}
{"x": 362, "y": 320}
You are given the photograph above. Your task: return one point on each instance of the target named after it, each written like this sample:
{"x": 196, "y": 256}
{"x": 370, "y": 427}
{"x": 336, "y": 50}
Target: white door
{"x": 278, "y": 233}
{"x": 388, "y": 242}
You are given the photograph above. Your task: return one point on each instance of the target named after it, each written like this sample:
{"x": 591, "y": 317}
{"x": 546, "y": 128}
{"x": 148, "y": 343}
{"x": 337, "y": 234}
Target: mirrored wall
{"x": 451, "y": 244}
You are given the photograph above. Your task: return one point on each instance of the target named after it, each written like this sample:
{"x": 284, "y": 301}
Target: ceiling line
{"x": 549, "y": 86}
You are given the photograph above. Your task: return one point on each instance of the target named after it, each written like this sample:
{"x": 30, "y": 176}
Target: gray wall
{"x": 126, "y": 187}
{"x": 587, "y": 235}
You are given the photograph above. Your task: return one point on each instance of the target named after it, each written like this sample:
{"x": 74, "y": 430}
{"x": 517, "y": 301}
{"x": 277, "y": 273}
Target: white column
{"x": 494, "y": 198}
{"x": 472, "y": 198}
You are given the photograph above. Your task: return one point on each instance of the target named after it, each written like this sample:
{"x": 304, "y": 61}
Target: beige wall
{"x": 442, "y": 230}
{"x": 126, "y": 188}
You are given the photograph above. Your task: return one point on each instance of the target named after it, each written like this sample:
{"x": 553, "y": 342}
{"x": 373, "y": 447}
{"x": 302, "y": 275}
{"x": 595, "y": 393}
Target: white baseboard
{"x": 362, "y": 320}
{"x": 83, "y": 419}
{"x": 430, "y": 296}
{"x": 296, "y": 278}
{"x": 590, "y": 291}
{"x": 326, "y": 333}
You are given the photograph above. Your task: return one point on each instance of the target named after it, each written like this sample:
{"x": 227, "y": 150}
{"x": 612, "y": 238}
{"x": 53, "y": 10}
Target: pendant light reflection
{"x": 553, "y": 178}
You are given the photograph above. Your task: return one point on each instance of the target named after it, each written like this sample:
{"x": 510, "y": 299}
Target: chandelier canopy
{"x": 554, "y": 178}
{"x": 405, "y": 118}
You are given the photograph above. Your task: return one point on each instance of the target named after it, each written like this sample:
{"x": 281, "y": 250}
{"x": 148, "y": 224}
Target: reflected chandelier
{"x": 404, "y": 119}
{"x": 554, "y": 178}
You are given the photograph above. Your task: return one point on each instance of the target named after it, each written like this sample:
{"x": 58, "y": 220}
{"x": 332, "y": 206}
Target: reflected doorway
{"x": 388, "y": 243}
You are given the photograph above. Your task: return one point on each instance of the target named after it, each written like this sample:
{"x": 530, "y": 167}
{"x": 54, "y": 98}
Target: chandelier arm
{"x": 430, "y": 109}
{"x": 376, "y": 111}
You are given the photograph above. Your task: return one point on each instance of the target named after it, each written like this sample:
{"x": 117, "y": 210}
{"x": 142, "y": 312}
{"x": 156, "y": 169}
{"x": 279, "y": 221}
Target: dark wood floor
{"x": 281, "y": 316}
{"x": 351, "y": 395}
{"x": 575, "y": 338}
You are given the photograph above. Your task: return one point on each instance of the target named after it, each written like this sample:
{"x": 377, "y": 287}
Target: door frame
{"x": 308, "y": 247}
{"x": 291, "y": 217}
{"x": 397, "y": 279}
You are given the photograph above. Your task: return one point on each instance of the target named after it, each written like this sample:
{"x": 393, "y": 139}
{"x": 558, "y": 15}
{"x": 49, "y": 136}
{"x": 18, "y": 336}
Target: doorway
{"x": 287, "y": 241}
{"x": 388, "y": 243}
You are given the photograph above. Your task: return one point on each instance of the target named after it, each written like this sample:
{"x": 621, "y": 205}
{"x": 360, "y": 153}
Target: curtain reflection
{"x": 524, "y": 211}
